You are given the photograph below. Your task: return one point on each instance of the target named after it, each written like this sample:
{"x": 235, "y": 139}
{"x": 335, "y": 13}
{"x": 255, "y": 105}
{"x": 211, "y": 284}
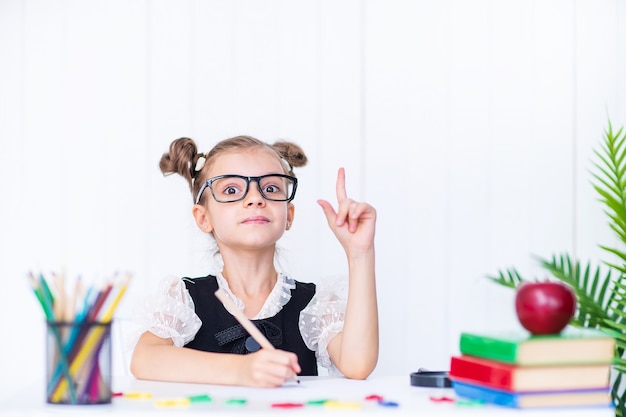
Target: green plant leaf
{"x": 509, "y": 278}
{"x": 590, "y": 292}
{"x": 601, "y": 296}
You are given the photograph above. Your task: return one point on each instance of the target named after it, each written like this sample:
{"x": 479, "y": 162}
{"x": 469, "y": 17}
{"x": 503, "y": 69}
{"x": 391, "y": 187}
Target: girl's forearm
{"x": 166, "y": 362}
{"x": 355, "y": 350}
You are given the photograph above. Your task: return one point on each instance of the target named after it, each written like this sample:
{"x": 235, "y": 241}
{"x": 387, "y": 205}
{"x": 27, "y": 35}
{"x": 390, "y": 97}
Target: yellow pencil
{"x": 91, "y": 342}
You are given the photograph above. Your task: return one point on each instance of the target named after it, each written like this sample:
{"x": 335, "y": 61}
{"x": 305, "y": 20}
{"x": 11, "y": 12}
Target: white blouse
{"x": 170, "y": 313}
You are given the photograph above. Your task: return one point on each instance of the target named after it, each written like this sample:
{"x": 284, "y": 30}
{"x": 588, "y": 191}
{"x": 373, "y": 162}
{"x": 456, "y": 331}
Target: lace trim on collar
{"x": 280, "y": 295}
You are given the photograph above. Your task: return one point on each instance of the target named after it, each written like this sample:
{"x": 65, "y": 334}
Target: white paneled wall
{"x": 469, "y": 125}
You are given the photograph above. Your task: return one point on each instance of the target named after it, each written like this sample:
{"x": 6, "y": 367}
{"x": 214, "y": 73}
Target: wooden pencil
{"x": 245, "y": 322}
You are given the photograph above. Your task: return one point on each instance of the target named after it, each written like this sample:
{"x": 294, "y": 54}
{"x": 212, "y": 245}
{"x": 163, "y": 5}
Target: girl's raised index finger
{"x": 341, "y": 185}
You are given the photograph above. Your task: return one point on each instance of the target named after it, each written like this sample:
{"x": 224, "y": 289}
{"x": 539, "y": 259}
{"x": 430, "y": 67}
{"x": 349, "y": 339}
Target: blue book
{"x": 538, "y": 399}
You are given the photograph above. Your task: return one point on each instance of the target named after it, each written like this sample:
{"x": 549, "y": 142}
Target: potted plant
{"x": 600, "y": 290}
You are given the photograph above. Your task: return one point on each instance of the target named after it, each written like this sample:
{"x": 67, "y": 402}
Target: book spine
{"x": 477, "y": 393}
{"x": 489, "y": 348}
{"x": 483, "y": 371}
{"x": 540, "y": 399}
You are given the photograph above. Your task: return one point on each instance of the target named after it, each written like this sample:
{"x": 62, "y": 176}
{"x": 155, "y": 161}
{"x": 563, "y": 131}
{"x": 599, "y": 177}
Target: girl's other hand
{"x": 353, "y": 223}
{"x": 269, "y": 368}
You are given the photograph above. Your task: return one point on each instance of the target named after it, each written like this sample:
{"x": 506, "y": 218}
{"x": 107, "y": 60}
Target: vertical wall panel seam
{"x": 278, "y": 16}
{"x": 489, "y": 186}
{"x": 64, "y": 163}
{"x": 448, "y": 198}
{"x": 22, "y": 102}
{"x": 574, "y": 130}
{"x": 234, "y": 65}
{"x": 362, "y": 100}
{"x": 148, "y": 132}
{"x": 318, "y": 87}
{"x": 531, "y": 43}
{"x": 192, "y": 67}
{"x": 617, "y": 56}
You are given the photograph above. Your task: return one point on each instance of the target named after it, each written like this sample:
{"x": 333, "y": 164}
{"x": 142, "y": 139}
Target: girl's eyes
{"x": 231, "y": 190}
{"x": 271, "y": 189}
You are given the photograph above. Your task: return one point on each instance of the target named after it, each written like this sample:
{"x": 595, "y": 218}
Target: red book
{"x": 515, "y": 378}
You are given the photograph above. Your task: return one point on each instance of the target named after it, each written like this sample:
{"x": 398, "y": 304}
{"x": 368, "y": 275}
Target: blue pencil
{"x": 71, "y": 342}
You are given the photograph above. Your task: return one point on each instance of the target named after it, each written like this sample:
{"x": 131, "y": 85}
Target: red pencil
{"x": 97, "y": 305}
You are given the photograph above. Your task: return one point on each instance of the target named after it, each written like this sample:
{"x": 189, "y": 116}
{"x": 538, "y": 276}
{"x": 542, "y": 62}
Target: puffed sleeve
{"x": 323, "y": 319}
{"x": 169, "y": 313}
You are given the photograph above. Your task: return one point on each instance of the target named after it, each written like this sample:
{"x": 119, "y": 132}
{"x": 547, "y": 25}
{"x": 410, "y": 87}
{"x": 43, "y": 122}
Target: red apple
{"x": 544, "y": 307}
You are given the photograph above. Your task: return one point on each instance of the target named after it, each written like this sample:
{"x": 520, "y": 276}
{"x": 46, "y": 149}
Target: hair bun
{"x": 291, "y": 152}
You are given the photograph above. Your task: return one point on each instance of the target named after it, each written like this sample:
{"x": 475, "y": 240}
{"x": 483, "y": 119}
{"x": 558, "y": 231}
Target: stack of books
{"x": 569, "y": 369}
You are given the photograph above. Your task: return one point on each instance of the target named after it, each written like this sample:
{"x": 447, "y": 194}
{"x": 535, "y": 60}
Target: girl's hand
{"x": 269, "y": 368}
{"x": 353, "y": 223}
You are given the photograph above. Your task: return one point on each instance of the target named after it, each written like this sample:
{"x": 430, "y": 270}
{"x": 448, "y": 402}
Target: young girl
{"x": 243, "y": 191}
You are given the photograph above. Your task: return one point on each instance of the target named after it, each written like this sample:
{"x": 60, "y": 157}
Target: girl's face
{"x": 254, "y": 222}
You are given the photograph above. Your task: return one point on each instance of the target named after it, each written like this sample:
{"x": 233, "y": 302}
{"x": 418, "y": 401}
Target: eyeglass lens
{"x": 272, "y": 187}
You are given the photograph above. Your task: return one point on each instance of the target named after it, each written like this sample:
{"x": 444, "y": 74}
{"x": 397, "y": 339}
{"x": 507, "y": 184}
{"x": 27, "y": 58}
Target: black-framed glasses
{"x": 231, "y": 188}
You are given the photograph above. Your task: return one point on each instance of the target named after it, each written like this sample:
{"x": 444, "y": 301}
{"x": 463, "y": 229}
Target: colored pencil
{"x": 43, "y": 294}
{"x": 87, "y": 347}
{"x": 88, "y": 314}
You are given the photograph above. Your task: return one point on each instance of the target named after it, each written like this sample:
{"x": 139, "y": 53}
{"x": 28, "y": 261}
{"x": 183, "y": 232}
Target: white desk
{"x": 412, "y": 400}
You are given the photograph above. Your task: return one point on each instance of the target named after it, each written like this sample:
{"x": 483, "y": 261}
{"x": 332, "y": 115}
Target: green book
{"x": 570, "y": 347}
